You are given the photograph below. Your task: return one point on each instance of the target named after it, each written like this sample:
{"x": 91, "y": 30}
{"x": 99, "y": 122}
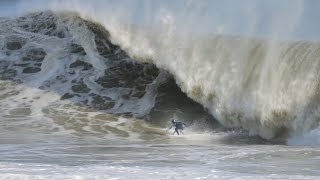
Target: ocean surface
{"x": 85, "y": 95}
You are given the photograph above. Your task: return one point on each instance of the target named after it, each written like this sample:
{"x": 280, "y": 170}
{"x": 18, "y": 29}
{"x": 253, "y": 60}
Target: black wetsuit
{"x": 179, "y": 126}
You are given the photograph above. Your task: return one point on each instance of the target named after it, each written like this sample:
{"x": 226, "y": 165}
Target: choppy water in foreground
{"x": 192, "y": 156}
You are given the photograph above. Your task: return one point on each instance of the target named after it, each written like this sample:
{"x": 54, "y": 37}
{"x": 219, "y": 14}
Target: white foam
{"x": 262, "y": 85}
{"x": 258, "y": 84}
{"x": 43, "y": 171}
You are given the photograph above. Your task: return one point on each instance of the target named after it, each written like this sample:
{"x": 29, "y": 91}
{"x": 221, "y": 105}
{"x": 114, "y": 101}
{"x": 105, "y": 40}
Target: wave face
{"x": 264, "y": 85}
{"x": 75, "y": 59}
{"x": 268, "y": 87}
{"x": 62, "y": 74}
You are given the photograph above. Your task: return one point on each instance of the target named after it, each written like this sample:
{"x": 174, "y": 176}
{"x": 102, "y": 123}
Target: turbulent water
{"x": 268, "y": 87}
{"x": 78, "y": 95}
{"x": 53, "y": 65}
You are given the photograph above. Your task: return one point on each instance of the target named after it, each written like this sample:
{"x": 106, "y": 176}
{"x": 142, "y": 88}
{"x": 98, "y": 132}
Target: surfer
{"x": 179, "y": 126}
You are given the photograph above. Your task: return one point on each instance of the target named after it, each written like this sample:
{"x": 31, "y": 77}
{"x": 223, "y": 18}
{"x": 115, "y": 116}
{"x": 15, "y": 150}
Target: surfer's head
{"x": 173, "y": 121}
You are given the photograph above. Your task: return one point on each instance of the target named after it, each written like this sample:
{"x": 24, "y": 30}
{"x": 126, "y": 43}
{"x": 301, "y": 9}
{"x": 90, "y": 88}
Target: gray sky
{"x": 297, "y": 19}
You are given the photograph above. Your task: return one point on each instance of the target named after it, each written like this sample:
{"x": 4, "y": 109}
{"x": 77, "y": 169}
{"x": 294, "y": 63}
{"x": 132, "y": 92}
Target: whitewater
{"x": 88, "y": 89}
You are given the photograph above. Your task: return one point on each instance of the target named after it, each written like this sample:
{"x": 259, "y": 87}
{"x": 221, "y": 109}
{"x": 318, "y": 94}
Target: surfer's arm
{"x": 170, "y": 127}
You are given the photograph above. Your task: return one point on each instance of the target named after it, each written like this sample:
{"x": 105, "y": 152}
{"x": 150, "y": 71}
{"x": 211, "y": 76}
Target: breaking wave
{"x": 268, "y": 87}
{"x": 61, "y": 73}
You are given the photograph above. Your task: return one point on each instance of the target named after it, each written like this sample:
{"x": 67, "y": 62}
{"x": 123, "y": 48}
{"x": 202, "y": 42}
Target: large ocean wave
{"x": 268, "y": 87}
{"x": 64, "y": 74}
